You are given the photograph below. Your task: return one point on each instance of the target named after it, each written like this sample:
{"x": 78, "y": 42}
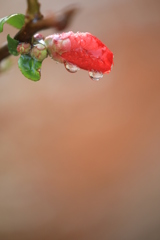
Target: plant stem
{"x": 31, "y": 27}
{"x": 33, "y": 10}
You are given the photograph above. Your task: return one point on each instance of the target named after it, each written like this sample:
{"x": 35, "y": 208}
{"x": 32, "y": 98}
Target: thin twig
{"x": 31, "y": 27}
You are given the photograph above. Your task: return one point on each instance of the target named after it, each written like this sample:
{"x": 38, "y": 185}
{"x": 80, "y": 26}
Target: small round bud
{"x": 39, "y": 52}
{"x": 37, "y": 37}
{"x": 23, "y": 48}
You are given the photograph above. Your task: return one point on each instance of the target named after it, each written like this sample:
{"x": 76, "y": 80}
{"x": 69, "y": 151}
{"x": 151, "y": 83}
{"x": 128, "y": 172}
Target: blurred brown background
{"x": 79, "y": 159}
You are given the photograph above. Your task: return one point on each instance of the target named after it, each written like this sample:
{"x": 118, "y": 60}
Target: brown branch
{"x": 33, "y": 10}
{"x": 31, "y": 27}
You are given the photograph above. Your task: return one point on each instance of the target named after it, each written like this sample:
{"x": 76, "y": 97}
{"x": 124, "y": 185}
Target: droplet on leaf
{"x": 39, "y": 70}
{"x": 96, "y": 76}
{"x": 70, "y": 67}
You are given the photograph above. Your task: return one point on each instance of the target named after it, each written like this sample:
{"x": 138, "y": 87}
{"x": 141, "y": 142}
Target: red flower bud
{"x": 81, "y": 49}
{"x": 38, "y": 38}
{"x": 23, "y": 48}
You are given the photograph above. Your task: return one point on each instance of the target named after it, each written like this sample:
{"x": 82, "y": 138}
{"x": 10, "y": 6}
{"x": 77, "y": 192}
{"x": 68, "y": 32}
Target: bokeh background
{"x": 81, "y": 159}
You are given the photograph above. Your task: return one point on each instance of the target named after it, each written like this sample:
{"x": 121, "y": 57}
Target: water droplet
{"x": 112, "y": 66}
{"x": 70, "y": 67}
{"x": 39, "y": 71}
{"x": 42, "y": 42}
{"x": 96, "y": 76}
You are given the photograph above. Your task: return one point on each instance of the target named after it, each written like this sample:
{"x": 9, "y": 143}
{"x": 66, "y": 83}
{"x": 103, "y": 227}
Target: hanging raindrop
{"x": 96, "y": 76}
{"x": 70, "y": 67}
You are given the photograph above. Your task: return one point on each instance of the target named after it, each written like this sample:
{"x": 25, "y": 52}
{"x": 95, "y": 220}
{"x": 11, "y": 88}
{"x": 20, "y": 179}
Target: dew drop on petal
{"x": 96, "y": 76}
{"x": 70, "y": 67}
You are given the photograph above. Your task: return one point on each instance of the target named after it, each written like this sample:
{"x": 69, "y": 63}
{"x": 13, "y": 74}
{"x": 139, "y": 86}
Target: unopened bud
{"x": 39, "y": 52}
{"x": 38, "y": 37}
{"x": 23, "y": 48}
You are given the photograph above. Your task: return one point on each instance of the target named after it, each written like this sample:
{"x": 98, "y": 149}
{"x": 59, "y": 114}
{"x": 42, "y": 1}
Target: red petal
{"x": 89, "y": 53}
{"x": 81, "y": 49}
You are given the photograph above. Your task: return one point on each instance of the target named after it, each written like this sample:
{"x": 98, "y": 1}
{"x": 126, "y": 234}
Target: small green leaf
{"x": 12, "y": 45}
{"x": 30, "y": 67}
{"x": 16, "y": 20}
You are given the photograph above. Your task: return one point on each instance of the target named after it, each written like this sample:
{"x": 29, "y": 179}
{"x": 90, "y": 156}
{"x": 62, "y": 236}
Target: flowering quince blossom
{"x": 80, "y": 50}
{"x": 75, "y": 50}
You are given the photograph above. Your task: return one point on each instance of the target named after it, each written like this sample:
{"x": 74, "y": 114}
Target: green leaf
{"x": 16, "y": 20}
{"x": 30, "y": 67}
{"x": 12, "y": 45}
